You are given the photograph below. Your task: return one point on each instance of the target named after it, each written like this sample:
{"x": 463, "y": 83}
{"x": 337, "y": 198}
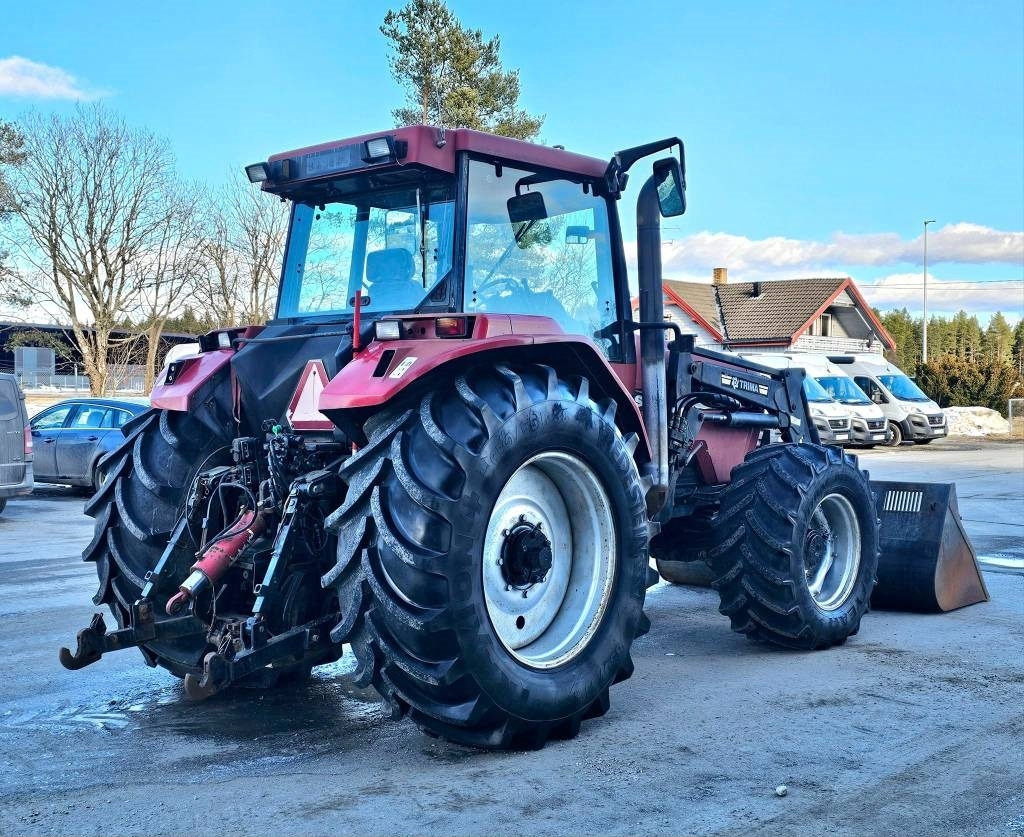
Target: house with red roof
{"x": 815, "y": 315}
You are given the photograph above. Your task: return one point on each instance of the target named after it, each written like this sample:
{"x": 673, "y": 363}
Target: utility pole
{"x": 924, "y": 319}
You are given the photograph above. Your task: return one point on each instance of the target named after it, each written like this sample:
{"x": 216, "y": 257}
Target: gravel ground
{"x": 913, "y": 727}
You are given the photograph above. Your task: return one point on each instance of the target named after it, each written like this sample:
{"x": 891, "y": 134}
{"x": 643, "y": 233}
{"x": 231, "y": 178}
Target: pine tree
{"x": 452, "y": 77}
{"x": 997, "y": 340}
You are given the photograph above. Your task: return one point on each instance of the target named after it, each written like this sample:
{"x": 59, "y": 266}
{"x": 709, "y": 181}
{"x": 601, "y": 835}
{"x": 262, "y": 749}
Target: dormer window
{"x": 822, "y": 327}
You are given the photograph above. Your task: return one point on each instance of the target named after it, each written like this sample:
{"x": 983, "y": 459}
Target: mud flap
{"x": 927, "y": 562}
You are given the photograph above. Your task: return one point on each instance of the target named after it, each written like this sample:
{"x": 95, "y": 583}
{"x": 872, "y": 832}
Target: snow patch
{"x": 975, "y": 421}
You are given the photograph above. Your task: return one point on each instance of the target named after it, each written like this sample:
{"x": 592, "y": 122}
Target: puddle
{"x": 1001, "y": 564}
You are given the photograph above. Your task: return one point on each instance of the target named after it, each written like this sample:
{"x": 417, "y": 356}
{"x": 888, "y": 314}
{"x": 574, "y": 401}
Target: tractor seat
{"x": 390, "y": 273}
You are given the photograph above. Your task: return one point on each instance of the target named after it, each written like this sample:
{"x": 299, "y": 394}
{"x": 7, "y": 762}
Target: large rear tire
{"x": 797, "y": 554}
{"x": 492, "y": 557}
{"x": 137, "y": 506}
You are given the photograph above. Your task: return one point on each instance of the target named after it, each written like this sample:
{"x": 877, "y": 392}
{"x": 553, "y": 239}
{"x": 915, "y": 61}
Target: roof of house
{"x": 699, "y": 302}
{"x": 765, "y": 312}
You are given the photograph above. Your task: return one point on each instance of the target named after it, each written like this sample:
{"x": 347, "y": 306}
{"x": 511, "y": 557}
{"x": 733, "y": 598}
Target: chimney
{"x": 719, "y": 276}
{"x": 755, "y": 290}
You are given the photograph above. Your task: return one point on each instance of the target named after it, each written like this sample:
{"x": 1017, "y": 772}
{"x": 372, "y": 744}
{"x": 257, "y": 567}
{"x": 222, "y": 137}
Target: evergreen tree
{"x": 997, "y": 341}
{"x": 12, "y": 153}
{"x": 452, "y": 77}
{"x": 960, "y": 382}
{"x": 906, "y": 333}
{"x": 1018, "y": 347}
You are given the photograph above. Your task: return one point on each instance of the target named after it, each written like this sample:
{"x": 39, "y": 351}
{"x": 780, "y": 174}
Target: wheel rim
{"x": 832, "y": 553}
{"x": 549, "y": 560}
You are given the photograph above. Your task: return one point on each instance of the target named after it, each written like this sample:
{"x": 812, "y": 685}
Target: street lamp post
{"x": 924, "y": 276}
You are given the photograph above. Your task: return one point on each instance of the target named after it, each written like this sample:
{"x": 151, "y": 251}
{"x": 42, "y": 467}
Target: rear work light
{"x": 383, "y": 150}
{"x": 451, "y": 327}
{"x": 28, "y": 440}
{"x": 378, "y": 150}
{"x": 257, "y": 172}
{"x": 387, "y": 330}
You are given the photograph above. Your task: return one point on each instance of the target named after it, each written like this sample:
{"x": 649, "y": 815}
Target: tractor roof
{"x": 436, "y": 148}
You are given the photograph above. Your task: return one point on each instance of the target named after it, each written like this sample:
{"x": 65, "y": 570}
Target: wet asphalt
{"x": 915, "y": 726}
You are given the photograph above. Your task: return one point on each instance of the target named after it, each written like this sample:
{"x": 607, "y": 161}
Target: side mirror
{"x": 577, "y": 235}
{"x": 671, "y": 186}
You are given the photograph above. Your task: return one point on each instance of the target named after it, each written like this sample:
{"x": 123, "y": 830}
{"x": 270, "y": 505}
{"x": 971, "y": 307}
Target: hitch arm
{"x": 95, "y": 641}
{"x": 220, "y": 671}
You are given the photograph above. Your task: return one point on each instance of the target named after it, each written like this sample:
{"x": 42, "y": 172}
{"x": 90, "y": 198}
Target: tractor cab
{"x": 423, "y": 220}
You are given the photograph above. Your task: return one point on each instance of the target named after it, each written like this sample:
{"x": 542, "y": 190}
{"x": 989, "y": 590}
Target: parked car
{"x": 15, "y": 442}
{"x": 71, "y": 437}
{"x": 911, "y": 414}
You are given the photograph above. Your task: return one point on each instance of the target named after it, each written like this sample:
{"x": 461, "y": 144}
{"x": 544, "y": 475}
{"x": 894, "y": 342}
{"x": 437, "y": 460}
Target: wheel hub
{"x": 525, "y": 555}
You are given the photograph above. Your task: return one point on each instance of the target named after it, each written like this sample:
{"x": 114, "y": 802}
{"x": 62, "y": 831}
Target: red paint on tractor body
{"x": 722, "y": 449}
{"x": 371, "y": 379}
{"x": 422, "y": 147}
{"x": 195, "y": 371}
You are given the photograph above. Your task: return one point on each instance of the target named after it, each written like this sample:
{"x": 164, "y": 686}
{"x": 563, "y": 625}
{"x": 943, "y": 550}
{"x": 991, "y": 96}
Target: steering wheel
{"x": 514, "y": 284}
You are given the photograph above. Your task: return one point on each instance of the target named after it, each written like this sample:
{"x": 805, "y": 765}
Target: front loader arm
{"x": 745, "y": 394}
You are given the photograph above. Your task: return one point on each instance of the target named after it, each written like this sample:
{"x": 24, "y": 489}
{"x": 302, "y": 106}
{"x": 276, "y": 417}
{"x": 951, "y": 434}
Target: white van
{"x": 911, "y": 414}
{"x": 868, "y": 426}
{"x": 831, "y": 418}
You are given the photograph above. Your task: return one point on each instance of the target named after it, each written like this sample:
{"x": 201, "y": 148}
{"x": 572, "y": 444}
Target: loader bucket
{"x": 927, "y": 563}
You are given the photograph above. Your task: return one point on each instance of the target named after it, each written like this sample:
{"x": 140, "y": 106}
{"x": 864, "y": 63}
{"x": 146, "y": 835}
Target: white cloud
{"x": 946, "y": 296}
{"x": 31, "y": 80}
{"x": 955, "y": 243}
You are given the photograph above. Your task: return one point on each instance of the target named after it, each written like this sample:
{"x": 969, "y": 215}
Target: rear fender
{"x": 386, "y": 370}
{"x": 180, "y": 382}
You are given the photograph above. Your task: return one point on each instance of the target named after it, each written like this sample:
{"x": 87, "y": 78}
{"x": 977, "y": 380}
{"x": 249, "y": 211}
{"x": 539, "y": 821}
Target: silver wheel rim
{"x": 545, "y": 623}
{"x": 832, "y": 554}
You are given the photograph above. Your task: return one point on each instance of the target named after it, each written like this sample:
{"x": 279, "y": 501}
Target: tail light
{"x": 28, "y": 440}
{"x": 451, "y": 327}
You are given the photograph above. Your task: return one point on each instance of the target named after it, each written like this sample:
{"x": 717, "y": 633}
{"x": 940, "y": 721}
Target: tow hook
{"x": 95, "y": 641}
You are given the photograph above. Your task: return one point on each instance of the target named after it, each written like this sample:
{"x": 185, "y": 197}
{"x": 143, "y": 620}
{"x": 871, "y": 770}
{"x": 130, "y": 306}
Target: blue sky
{"x": 819, "y": 134}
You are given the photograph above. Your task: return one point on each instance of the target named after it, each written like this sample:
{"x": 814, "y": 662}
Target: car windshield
{"x": 903, "y": 388}
{"x": 394, "y": 246}
{"x": 815, "y": 392}
{"x": 843, "y": 389}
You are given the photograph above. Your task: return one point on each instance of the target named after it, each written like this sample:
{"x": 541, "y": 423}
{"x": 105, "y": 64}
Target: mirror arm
{"x": 617, "y": 172}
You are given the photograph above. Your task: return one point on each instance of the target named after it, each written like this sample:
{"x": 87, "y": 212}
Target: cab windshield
{"x": 903, "y": 388}
{"x": 843, "y": 389}
{"x": 394, "y": 246}
{"x": 815, "y": 392}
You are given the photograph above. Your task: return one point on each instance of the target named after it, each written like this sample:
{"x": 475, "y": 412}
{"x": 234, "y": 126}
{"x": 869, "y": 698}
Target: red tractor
{"x": 454, "y": 450}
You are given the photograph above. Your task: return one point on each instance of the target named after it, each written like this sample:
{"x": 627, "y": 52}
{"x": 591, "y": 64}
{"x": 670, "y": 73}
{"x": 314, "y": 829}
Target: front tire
{"x": 895, "y": 435}
{"x": 493, "y": 557}
{"x": 798, "y": 546}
